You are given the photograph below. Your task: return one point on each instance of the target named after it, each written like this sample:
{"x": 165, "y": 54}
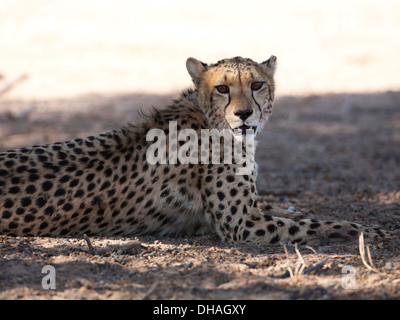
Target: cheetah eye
{"x": 256, "y": 86}
{"x": 222, "y": 89}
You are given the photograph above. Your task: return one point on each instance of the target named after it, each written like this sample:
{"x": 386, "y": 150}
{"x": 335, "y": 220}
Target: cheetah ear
{"x": 195, "y": 68}
{"x": 270, "y": 66}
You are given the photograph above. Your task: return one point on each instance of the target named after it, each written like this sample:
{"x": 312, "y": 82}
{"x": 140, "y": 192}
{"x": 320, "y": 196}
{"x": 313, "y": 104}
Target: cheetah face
{"x": 235, "y": 93}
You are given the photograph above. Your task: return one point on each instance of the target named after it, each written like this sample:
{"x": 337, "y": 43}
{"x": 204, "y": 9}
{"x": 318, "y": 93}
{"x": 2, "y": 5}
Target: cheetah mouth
{"x": 243, "y": 129}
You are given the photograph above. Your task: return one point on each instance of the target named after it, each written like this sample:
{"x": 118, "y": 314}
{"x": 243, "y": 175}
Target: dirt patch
{"x": 331, "y": 156}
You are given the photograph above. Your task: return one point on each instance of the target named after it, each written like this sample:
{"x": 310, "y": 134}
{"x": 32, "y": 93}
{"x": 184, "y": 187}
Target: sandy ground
{"x": 69, "y": 70}
{"x": 333, "y": 157}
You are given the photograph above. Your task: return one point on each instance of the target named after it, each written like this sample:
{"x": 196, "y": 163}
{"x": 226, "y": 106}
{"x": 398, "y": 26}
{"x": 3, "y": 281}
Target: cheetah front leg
{"x": 231, "y": 206}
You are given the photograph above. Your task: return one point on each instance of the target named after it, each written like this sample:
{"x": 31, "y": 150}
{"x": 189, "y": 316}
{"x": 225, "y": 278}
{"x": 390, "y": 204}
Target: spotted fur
{"x": 104, "y": 185}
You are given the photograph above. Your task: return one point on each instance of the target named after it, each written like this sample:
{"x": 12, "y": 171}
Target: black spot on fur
{"x": 74, "y": 183}
{"x": 267, "y": 217}
{"x": 33, "y": 177}
{"x": 43, "y": 225}
{"x": 14, "y": 190}
{"x": 41, "y": 202}
{"x": 139, "y": 182}
{"x": 64, "y": 232}
{"x": 30, "y": 189}
{"x": 79, "y": 193}
{"x": 334, "y": 235}
{"x": 59, "y": 192}
{"x": 293, "y": 230}
{"x": 353, "y": 233}
{"x": 249, "y": 224}
{"x": 67, "y": 207}
{"x": 49, "y": 211}
{"x": 47, "y": 185}
{"x": 13, "y": 225}
{"x": 260, "y": 232}
{"x": 271, "y": 228}
{"x": 6, "y": 215}
{"x": 25, "y": 202}
{"x": 9, "y": 163}
{"x": 275, "y": 240}
{"x": 108, "y": 172}
{"x": 105, "y": 185}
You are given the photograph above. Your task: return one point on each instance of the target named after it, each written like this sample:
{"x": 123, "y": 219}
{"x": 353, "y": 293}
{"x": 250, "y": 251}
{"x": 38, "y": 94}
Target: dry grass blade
{"x": 300, "y": 267}
{"x": 288, "y": 273}
{"x": 288, "y": 266}
{"x": 369, "y": 257}
{"x": 146, "y": 295}
{"x": 362, "y": 254}
{"x": 312, "y": 249}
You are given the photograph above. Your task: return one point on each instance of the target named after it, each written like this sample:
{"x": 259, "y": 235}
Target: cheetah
{"x": 105, "y": 186}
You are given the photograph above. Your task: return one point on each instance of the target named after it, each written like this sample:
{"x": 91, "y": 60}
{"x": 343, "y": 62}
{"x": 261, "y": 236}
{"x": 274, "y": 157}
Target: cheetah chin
{"x": 245, "y": 130}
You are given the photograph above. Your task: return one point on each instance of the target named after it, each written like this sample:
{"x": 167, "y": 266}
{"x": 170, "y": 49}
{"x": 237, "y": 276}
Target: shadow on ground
{"x": 330, "y": 156}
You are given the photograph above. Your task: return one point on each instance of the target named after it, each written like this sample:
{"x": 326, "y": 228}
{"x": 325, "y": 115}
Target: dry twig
{"x": 300, "y": 267}
{"x": 146, "y": 295}
{"x": 316, "y": 267}
{"x": 13, "y": 84}
{"x": 289, "y": 270}
{"x": 92, "y": 251}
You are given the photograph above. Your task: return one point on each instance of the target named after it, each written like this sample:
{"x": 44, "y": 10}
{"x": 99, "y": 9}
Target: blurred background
{"x": 61, "y": 49}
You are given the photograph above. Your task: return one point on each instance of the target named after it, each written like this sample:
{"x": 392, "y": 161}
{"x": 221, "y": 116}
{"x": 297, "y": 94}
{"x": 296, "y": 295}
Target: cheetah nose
{"x": 243, "y": 114}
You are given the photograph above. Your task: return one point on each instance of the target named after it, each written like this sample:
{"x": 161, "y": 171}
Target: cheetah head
{"x": 235, "y": 94}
